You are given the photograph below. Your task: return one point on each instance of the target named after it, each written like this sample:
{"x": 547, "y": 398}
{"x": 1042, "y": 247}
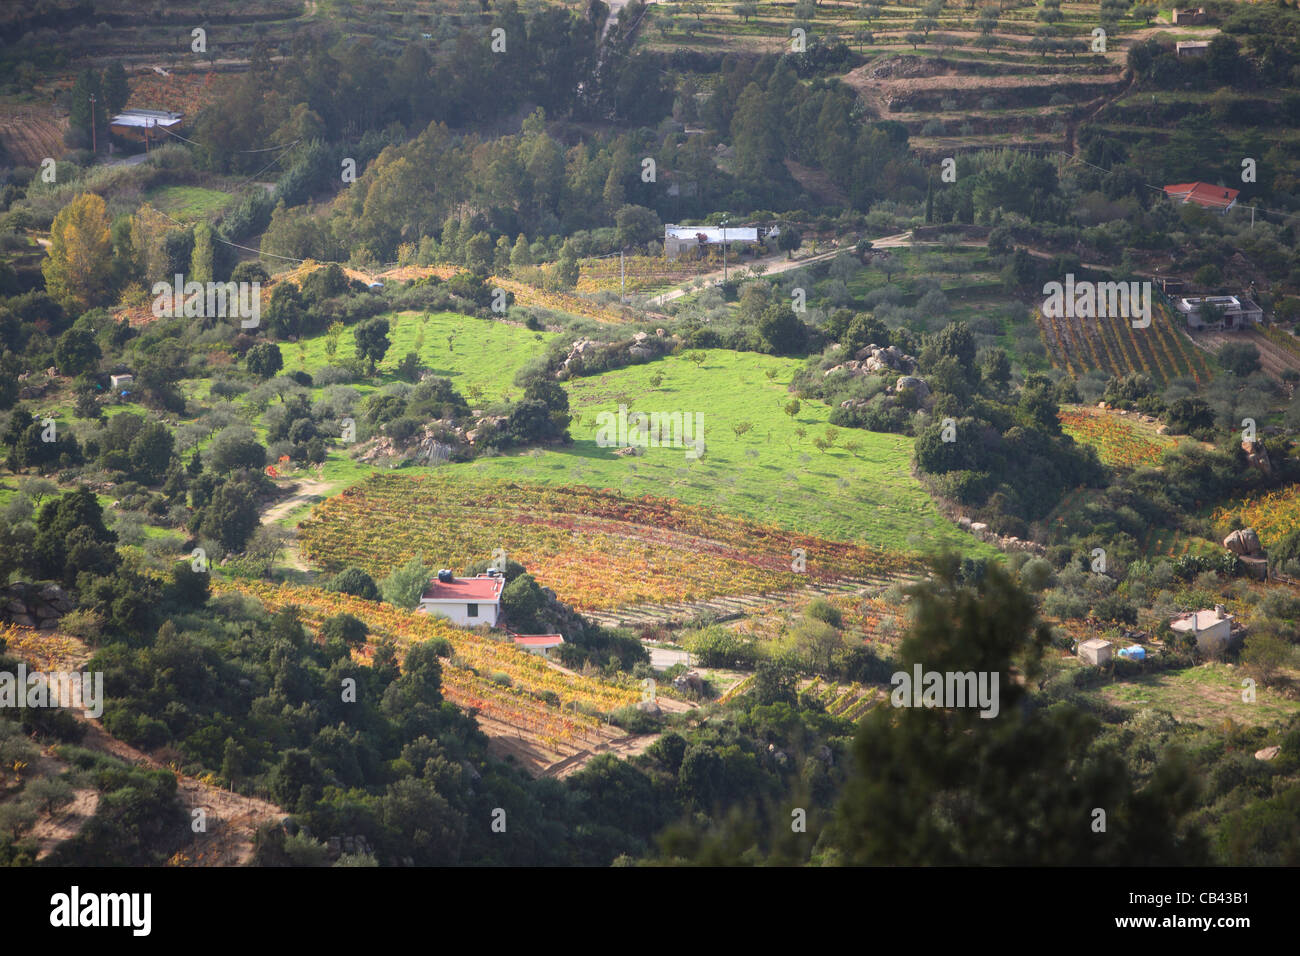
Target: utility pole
{"x": 724, "y": 252}
{"x": 94, "y": 140}
{"x": 622, "y": 281}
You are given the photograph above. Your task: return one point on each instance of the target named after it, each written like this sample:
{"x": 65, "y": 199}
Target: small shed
{"x": 539, "y": 644}
{"x": 1212, "y": 629}
{"x": 1096, "y": 652}
{"x": 121, "y": 381}
{"x": 143, "y": 125}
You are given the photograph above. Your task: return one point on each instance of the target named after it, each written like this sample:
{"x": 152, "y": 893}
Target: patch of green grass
{"x": 481, "y": 353}
{"x": 188, "y": 203}
{"x": 1207, "y": 695}
{"x": 769, "y": 473}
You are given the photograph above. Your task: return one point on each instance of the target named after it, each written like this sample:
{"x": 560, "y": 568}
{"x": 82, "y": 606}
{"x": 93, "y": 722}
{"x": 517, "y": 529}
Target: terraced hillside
{"x": 598, "y": 549}
{"x": 959, "y": 76}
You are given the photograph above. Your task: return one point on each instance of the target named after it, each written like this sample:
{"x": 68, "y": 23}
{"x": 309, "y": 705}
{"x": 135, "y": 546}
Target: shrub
{"x": 356, "y": 582}
{"x": 820, "y": 609}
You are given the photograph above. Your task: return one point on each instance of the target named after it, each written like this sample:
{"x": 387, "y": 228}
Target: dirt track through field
{"x": 306, "y": 492}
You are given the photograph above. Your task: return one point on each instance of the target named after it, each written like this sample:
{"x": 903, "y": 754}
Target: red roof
{"x": 538, "y": 640}
{"x": 482, "y": 589}
{"x": 1203, "y": 194}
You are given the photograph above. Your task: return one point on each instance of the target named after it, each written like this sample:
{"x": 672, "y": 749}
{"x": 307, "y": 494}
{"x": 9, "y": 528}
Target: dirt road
{"x": 306, "y": 492}
{"x": 777, "y": 263}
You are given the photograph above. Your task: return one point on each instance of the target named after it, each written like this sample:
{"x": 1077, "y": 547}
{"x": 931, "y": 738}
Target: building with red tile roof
{"x": 1219, "y": 198}
{"x": 540, "y": 644}
{"x": 465, "y": 601}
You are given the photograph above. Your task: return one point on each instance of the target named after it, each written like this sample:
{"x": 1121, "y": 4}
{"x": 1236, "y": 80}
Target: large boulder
{"x": 1256, "y": 567}
{"x": 1244, "y": 543}
{"x": 912, "y": 382}
{"x": 1257, "y": 456}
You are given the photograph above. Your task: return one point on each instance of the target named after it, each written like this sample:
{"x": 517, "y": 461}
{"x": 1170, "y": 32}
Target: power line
{"x": 265, "y": 149}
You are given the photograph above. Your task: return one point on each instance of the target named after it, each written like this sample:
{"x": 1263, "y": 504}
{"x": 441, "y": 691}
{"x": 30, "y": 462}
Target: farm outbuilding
{"x": 1096, "y": 652}
{"x": 1234, "y": 311}
{"x": 691, "y": 239}
{"x": 145, "y": 125}
{"x": 1189, "y": 48}
{"x": 539, "y": 644}
{"x": 1205, "y": 195}
{"x": 1211, "y": 628}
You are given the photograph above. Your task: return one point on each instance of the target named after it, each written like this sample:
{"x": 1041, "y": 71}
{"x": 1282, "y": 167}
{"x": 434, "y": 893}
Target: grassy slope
{"x": 767, "y": 474}
{"x": 1205, "y": 695}
{"x": 188, "y": 203}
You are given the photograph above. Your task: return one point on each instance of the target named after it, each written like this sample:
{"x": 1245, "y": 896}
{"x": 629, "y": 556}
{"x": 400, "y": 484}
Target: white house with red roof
{"x": 539, "y": 644}
{"x": 1218, "y": 198}
{"x": 465, "y": 601}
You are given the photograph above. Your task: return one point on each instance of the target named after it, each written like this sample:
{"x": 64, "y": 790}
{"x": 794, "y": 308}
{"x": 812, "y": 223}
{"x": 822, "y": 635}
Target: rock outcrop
{"x": 34, "y": 605}
{"x": 1257, "y": 456}
{"x": 873, "y": 358}
{"x": 1245, "y": 544}
{"x": 1003, "y": 542}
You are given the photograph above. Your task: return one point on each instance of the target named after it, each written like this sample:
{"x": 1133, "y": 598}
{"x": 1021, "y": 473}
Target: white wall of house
{"x": 459, "y": 612}
{"x": 1215, "y": 635}
{"x": 540, "y": 651}
{"x": 1210, "y": 638}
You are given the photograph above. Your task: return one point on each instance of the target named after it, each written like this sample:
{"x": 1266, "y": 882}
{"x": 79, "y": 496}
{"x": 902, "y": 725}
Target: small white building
{"x": 1096, "y": 652}
{"x": 145, "y": 126}
{"x": 120, "y": 381}
{"x": 690, "y": 239}
{"x": 465, "y": 601}
{"x": 1212, "y": 629}
{"x": 539, "y": 644}
{"x": 1237, "y": 312}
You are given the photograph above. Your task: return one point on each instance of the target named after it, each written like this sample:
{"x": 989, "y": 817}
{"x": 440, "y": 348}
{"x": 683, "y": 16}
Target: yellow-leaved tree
{"x": 78, "y": 267}
{"x": 149, "y": 230}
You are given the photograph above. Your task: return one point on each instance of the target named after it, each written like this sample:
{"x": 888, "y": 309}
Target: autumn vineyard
{"x": 595, "y": 548}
